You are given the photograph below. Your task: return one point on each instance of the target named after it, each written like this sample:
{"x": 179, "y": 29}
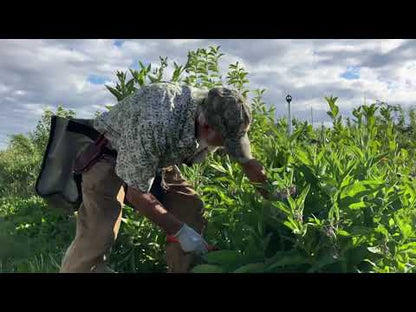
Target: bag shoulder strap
{"x": 77, "y": 127}
{"x": 90, "y": 132}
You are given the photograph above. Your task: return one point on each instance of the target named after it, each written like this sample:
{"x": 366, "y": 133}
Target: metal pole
{"x": 288, "y": 100}
{"x": 311, "y": 116}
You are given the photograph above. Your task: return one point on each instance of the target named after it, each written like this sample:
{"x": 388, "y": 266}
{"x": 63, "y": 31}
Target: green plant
{"x": 355, "y": 210}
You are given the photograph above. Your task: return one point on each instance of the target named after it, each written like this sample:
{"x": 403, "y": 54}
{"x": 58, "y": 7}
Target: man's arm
{"x": 256, "y": 173}
{"x": 150, "y": 207}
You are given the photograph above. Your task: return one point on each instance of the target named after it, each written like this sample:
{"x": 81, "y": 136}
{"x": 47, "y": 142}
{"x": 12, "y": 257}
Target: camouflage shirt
{"x": 152, "y": 128}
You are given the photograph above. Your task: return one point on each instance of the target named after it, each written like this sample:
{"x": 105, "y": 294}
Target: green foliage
{"x": 40, "y": 135}
{"x": 139, "y": 246}
{"x": 236, "y": 77}
{"x": 158, "y": 72}
{"x": 123, "y": 88}
{"x": 17, "y": 167}
{"x": 20, "y": 162}
{"x": 33, "y": 237}
{"x": 355, "y": 208}
{"x": 202, "y": 68}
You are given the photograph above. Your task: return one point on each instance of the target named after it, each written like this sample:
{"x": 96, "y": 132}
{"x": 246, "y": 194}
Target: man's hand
{"x": 191, "y": 241}
{"x": 254, "y": 171}
{"x": 150, "y": 207}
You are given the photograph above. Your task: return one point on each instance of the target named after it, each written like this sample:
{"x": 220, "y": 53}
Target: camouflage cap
{"x": 227, "y": 112}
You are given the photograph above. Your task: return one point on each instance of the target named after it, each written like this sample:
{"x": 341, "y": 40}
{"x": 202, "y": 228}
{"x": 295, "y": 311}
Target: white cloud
{"x": 35, "y": 74}
{"x": 181, "y": 42}
{"x": 3, "y": 88}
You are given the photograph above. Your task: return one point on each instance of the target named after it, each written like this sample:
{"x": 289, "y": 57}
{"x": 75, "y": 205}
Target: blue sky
{"x": 38, "y": 74}
{"x": 97, "y": 79}
{"x": 352, "y": 73}
{"x": 118, "y": 43}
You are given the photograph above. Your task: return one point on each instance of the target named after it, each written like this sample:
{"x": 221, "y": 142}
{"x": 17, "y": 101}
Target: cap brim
{"x": 238, "y": 148}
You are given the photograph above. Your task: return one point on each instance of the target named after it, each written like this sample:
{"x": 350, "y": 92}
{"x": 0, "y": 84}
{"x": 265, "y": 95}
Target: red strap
{"x": 171, "y": 239}
{"x": 212, "y": 248}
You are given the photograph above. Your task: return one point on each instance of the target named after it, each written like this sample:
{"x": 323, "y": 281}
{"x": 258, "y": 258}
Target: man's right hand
{"x": 191, "y": 241}
{"x": 150, "y": 207}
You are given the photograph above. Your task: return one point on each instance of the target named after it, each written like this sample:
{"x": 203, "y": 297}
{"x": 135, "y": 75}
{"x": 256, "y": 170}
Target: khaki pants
{"x": 99, "y": 218}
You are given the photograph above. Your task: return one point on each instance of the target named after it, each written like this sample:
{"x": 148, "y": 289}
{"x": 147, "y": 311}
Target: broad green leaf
{"x": 207, "y": 268}
{"x": 342, "y": 233}
{"x": 323, "y": 261}
{"x": 375, "y": 250}
{"x": 355, "y": 205}
{"x": 300, "y": 201}
{"x": 409, "y": 247}
{"x": 251, "y": 268}
{"x": 219, "y": 168}
{"x": 405, "y": 225}
{"x": 115, "y": 92}
{"x": 224, "y": 257}
{"x": 361, "y": 230}
{"x": 309, "y": 175}
{"x": 291, "y": 224}
{"x": 281, "y": 259}
{"x": 353, "y": 193}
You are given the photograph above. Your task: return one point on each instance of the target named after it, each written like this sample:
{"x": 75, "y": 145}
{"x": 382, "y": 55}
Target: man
{"x": 157, "y": 128}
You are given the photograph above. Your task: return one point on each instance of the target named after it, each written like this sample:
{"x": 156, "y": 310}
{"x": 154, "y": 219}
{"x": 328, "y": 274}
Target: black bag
{"x": 73, "y": 147}
{"x": 57, "y": 182}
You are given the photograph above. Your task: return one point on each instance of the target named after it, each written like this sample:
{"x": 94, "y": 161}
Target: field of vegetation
{"x": 355, "y": 208}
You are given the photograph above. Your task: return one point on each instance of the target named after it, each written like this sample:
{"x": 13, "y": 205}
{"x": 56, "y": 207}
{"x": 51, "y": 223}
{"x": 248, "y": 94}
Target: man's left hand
{"x": 254, "y": 171}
